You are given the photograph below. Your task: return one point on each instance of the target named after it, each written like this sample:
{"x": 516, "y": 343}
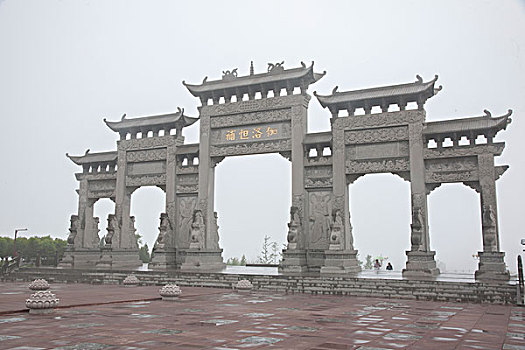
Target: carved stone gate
{"x": 267, "y": 113}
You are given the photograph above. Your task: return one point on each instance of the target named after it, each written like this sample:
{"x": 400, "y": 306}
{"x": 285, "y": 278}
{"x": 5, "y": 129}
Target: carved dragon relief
{"x": 249, "y": 118}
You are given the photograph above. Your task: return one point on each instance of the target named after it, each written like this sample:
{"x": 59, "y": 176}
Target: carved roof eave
{"x": 411, "y": 92}
{"x": 466, "y": 126}
{"x": 232, "y": 86}
{"x": 166, "y": 121}
{"x": 91, "y": 158}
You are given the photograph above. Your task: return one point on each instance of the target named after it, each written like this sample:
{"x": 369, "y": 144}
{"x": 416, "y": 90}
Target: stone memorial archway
{"x": 267, "y": 113}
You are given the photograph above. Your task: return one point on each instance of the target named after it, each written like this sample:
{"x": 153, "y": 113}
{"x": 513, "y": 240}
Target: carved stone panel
{"x": 145, "y": 168}
{"x": 375, "y": 135}
{"x": 320, "y": 211}
{"x": 190, "y": 169}
{"x": 188, "y": 183}
{"x": 251, "y": 133}
{"x": 185, "y": 208}
{"x": 383, "y": 119}
{"x": 251, "y": 148}
{"x": 318, "y": 177}
{"x": 377, "y": 166}
{"x": 270, "y": 116}
{"x": 464, "y": 151}
{"x": 251, "y": 106}
{"x": 101, "y": 188}
{"x": 146, "y": 143}
{"x": 451, "y": 170}
{"x": 146, "y": 180}
{"x": 377, "y": 151}
{"x": 146, "y": 155}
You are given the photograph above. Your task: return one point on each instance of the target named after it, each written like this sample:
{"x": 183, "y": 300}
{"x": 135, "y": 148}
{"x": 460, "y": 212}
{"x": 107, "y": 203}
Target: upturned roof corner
{"x": 176, "y": 120}
{"x": 418, "y": 91}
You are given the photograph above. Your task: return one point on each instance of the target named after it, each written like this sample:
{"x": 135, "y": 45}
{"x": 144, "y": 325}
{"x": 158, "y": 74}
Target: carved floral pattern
{"x": 146, "y": 155}
{"x": 258, "y": 117}
{"x": 146, "y": 180}
{"x": 377, "y": 166}
{"x": 398, "y": 133}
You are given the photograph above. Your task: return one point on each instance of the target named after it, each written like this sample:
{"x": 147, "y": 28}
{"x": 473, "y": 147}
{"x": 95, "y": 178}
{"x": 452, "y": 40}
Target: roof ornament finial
{"x": 303, "y": 64}
{"x": 276, "y": 68}
{"x": 509, "y": 113}
{"x": 251, "y": 68}
{"x": 334, "y": 90}
{"x": 419, "y": 79}
{"x": 204, "y": 80}
{"x": 123, "y": 116}
{"x": 229, "y": 75}
{"x": 87, "y": 151}
{"x": 180, "y": 110}
{"x": 487, "y": 113}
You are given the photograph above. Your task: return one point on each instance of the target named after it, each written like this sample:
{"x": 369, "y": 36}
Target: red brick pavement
{"x": 118, "y": 317}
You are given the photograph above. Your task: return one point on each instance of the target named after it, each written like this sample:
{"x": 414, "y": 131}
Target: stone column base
{"x": 200, "y": 259}
{"x": 340, "y": 261}
{"x": 294, "y": 261}
{"x": 79, "y": 259}
{"x": 118, "y": 259}
{"x": 163, "y": 259}
{"x": 420, "y": 264}
{"x": 491, "y": 267}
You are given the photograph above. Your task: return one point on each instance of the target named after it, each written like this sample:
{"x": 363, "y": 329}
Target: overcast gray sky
{"x": 65, "y": 65}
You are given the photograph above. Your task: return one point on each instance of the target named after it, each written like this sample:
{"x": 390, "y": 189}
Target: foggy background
{"x": 65, "y": 65}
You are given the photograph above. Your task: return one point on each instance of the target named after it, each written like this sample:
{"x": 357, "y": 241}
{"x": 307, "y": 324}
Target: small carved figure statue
{"x": 489, "y": 217}
{"x": 73, "y": 229}
{"x": 95, "y": 231}
{"x": 197, "y": 229}
{"x": 337, "y": 226}
{"x": 293, "y": 227}
{"x": 417, "y": 229}
{"x": 164, "y": 227}
{"x": 112, "y": 228}
{"x": 489, "y": 229}
{"x": 227, "y": 74}
{"x": 276, "y": 68}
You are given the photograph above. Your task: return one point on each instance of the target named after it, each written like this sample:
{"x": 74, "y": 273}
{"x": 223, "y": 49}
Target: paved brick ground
{"x": 118, "y": 317}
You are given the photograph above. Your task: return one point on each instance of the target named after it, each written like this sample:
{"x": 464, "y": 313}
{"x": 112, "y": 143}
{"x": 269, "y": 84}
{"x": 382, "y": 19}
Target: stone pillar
{"x": 491, "y": 264}
{"x": 123, "y": 251}
{"x": 295, "y": 256}
{"x": 83, "y": 204}
{"x": 209, "y": 257}
{"x": 420, "y": 259}
{"x": 164, "y": 254}
{"x": 341, "y": 257}
{"x": 90, "y": 238}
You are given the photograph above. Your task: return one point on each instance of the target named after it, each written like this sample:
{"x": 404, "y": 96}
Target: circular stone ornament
{"x": 42, "y": 302}
{"x": 131, "y": 281}
{"x": 244, "y": 286}
{"x": 39, "y": 284}
{"x": 170, "y": 292}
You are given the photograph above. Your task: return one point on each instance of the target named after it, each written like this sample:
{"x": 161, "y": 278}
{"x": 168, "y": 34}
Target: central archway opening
{"x": 147, "y": 203}
{"x": 455, "y": 227}
{"x": 380, "y": 217}
{"x": 252, "y": 200}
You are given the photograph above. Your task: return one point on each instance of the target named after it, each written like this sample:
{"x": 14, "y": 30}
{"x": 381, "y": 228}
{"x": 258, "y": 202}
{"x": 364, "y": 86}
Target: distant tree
{"x": 233, "y": 261}
{"x": 144, "y": 254}
{"x": 47, "y": 248}
{"x": 266, "y": 253}
{"x": 368, "y": 263}
{"x": 243, "y": 260}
